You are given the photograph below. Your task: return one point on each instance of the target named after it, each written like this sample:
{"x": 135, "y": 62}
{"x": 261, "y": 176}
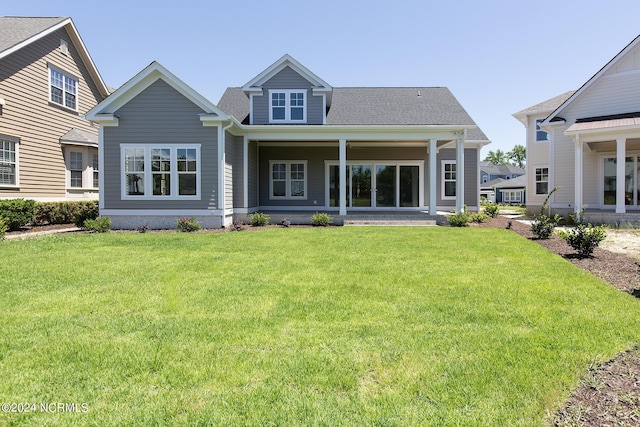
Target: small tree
{"x": 518, "y": 156}
{"x": 543, "y": 224}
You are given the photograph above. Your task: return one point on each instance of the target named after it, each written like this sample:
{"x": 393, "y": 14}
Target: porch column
{"x": 432, "y": 176}
{"x": 459, "y": 175}
{"x": 343, "y": 177}
{"x": 621, "y": 148}
{"x": 578, "y": 175}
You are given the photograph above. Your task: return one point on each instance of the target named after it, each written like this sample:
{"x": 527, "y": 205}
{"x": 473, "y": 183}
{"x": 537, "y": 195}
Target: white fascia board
{"x": 103, "y": 119}
{"x": 595, "y": 78}
{"x": 143, "y": 80}
{"x": 279, "y": 65}
{"x": 77, "y": 41}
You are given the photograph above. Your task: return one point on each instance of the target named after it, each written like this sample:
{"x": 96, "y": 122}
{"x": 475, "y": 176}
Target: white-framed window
{"x": 96, "y": 170}
{"x": 288, "y": 179}
{"x": 160, "y": 171}
{"x": 540, "y": 134}
{"x": 448, "y": 189}
{"x": 510, "y": 196}
{"x": 8, "y": 162}
{"x": 287, "y": 106}
{"x": 82, "y": 167}
{"x": 542, "y": 180}
{"x": 76, "y": 169}
{"x": 63, "y": 88}
{"x": 485, "y": 178}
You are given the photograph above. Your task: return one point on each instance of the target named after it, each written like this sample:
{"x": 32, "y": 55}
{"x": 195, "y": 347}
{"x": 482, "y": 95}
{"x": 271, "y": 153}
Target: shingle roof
{"x": 15, "y": 30}
{"x": 492, "y": 169}
{"x": 547, "y": 106}
{"x": 378, "y": 106}
{"x": 519, "y": 182}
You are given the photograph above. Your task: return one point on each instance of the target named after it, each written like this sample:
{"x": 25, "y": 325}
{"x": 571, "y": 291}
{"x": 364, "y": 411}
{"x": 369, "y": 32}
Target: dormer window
{"x": 287, "y": 106}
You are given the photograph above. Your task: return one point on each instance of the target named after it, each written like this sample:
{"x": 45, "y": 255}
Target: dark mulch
{"x": 608, "y": 395}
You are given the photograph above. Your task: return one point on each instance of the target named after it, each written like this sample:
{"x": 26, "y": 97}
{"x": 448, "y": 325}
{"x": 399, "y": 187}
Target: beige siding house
{"x": 47, "y": 82}
{"x": 587, "y": 143}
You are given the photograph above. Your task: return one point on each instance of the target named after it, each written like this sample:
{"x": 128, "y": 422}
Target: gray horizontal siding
{"x": 253, "y": 174}
{"x": 470, "y": 176}
{"x": 160, "y": 115}
{"x": 287, "y": 79}
{"x": 238, "y": 172}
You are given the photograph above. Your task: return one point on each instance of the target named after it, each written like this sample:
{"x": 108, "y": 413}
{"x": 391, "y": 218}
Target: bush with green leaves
{"x": 478, "y": 217}
{"x": 321, "y": 219}
{"x": 17, "y": 212}
{"x": 492, "y": 209}
{"x": 98, "y": 225}
{"x": 65, "y": 212}
{"x": 188, "y": 225}
{"x": 459, "y": 220}
{"x": 584, "y": 239}
{"x": 259, "y": 219}
{"x": 543, "y": 225}
{"x": 3, "y": 228}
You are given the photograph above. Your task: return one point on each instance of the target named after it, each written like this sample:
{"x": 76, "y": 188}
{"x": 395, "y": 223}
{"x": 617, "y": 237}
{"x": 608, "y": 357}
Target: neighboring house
{"x": 47, "y": 82}
{"x": 286, "y": 141}
{"x": 510, "y": 191}
{"x": 592, "y": 144}
{"x": 539, "y": 156}
{"x": 491, "y": 174}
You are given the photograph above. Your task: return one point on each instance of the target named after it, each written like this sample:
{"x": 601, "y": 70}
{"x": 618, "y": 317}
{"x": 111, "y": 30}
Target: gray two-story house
{"x": 286, "y": 141}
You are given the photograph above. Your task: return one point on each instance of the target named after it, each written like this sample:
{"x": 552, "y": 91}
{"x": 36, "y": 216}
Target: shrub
{"x": 188, "y": 225}
{"x": 543, "y": 225}
{"x": 492, "y": 210}
{"x": 584, "y": 238}
{"x": 142, "y": 229}
{"x": 3, "y": 228}
{"x": 259, "y": 219}
{"x": 65, "y": 212}
{"x": 319, "y": 219}
{"x": 459, "y": 220}
{"x": 84, "y": 212}
{"x": 17, "y": 212}
{"x": 478, "y": 217}
{"x": 98, "y": 225}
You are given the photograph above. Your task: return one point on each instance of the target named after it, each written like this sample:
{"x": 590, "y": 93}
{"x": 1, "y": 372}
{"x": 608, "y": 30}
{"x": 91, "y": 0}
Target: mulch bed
{"x": 609, "y": 395}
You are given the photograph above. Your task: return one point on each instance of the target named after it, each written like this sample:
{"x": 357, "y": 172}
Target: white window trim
{"x": 87, "y": 167}
{"x": 64, "y": 73}
{"x": 538, "y": 129}
{"x": 148, "y": 179}
{"x": 442, "y": 180}
{"x": 511, "y": 196}
{"x": 16, "y": 144}
{"x": 288, "y": 195}
{"x": 287, "y": 106}
{"x": 535, "y": 179}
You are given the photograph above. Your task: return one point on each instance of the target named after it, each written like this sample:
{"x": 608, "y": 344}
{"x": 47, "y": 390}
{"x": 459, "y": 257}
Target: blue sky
{"x": 496, "y": 56}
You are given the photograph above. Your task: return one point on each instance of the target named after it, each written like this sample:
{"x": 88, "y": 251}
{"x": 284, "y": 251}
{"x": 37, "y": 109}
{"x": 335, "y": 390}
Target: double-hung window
{"x": 288, "y": 179}
{"x": 448, "y": 179}
{"x": 170, "y": 172}
{"x": 540, "y": 134}
{"x": 63, "y": 89}
{"x": 287, "y": 106}
{"x": 96, "y": 170}
{"x": 76, "y": 169}
{"x": 542, "y": 180}
{"x": 8, "y": 162}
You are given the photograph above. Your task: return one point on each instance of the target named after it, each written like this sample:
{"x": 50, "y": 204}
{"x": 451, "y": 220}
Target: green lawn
{"x": 337, "y": 326}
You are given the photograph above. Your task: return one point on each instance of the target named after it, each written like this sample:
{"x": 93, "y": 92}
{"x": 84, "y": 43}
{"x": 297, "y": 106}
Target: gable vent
{"x": 64, "y": 46}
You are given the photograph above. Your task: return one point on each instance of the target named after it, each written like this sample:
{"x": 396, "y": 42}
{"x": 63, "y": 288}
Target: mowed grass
{"x": 337, "y": 326}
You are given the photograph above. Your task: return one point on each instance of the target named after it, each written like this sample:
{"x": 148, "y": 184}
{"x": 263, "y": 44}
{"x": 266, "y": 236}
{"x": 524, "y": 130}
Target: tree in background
{"x": 497, "y": 157}
{"x": 518, "y": 156}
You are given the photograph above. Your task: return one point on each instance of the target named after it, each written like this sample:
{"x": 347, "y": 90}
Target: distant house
{"x": 285, "y": 142}
{"x": 587, "y": 144}
{"x": 492, "y": 175}
{"x": 47, "y": 82}
{"x": 510, "y": 191}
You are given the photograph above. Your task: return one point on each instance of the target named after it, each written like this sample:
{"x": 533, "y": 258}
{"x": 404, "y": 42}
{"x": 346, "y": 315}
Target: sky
{"x": 496, "y": 56}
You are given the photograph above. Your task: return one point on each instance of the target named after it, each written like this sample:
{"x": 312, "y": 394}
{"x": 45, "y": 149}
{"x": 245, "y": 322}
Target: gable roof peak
{"x": 255, "y": 84}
